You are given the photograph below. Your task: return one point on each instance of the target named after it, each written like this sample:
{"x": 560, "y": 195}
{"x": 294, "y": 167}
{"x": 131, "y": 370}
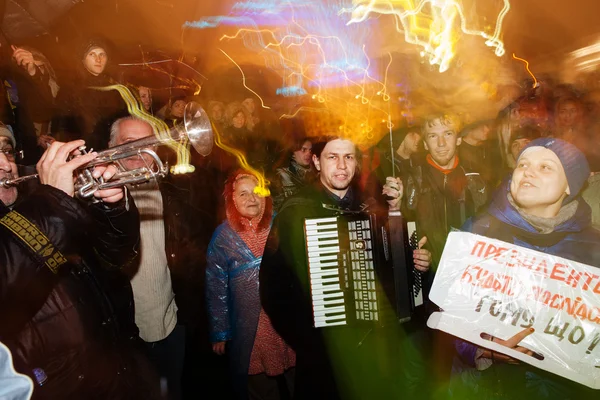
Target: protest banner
{"x": 486, "y": 286}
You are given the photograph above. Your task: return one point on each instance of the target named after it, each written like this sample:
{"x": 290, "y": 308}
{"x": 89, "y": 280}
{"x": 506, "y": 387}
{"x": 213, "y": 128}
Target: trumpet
{"x": 196, "y": 129}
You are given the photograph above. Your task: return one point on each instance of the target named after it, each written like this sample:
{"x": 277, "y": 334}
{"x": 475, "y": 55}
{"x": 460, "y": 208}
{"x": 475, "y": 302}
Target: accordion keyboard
{"x": 323, "y": 247}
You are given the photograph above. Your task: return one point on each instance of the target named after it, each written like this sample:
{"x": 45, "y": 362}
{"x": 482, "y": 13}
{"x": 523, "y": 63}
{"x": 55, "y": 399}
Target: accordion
{"x": 361, "y": 271}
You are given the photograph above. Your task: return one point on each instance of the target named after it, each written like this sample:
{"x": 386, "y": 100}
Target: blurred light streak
{"x": 262, "y": 103}
{"x": 435, "y": 32}
{"x": 535, "y": 81}
{"x": 160, "y": 128}
{"x": 262, "y": 188}
{"x": 317, "y": 55}
{"x": 186, "y": 84}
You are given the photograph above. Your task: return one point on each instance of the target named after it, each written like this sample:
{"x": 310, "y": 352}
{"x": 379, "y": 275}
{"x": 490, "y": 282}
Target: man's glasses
{"x": 10, "y": 153}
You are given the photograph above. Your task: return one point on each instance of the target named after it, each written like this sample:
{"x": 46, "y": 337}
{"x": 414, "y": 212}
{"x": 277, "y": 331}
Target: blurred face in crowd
{"x": 539, "y": 184}
{"x": 568, "y": 114}
{"x": 8, "y": 170}
{"x": 517, "y": 146}
{"x": 217, "y": 112}
{"x": 239, "y": 120}
{"x": 95, "y": 61}
{"x": 337, "y": 165}
{"x": 248, "y": 203}
{"x": 146, "y": 97}
{"x": 441, "y": 140}
{"x": 304, "y": 154}
{"x": 178, "y": 108}
{"x": 130, "y": 130}
{"x": 250, "y": 105}
{"x": 411, "y": 142}
{"x": 480, "y": 133}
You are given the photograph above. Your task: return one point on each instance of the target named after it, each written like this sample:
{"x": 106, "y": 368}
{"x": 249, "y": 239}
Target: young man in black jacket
{"x": 65, "y": 310}
{"x": 440, "y": 194}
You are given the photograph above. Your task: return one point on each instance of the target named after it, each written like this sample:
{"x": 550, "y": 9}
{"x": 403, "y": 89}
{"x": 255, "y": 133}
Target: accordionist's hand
{"x": 393, "y": 191}
{"x": 422, "y": 257}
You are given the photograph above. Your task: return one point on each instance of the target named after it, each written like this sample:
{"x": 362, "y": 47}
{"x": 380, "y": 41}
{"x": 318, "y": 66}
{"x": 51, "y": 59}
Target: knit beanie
{"x": 6, "y": 132}
{"x": 572, "y": 159}
{"x": 92, "y": 43}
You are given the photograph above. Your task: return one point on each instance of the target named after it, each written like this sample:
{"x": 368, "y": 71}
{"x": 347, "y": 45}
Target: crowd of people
{"x": 195, "y": 286}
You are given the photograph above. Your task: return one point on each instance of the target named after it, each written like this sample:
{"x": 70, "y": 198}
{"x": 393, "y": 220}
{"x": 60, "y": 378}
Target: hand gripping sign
{"x": 486, "y": 286}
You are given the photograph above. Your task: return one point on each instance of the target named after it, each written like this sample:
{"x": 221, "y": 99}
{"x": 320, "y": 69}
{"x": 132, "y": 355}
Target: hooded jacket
{"x": 573, "y": 239}
{"x": 232, "y": 293}
{"x": 84, "y": 112}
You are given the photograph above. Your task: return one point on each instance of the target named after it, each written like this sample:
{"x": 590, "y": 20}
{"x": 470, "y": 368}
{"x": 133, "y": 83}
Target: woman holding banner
{"x": 539, "y": 208}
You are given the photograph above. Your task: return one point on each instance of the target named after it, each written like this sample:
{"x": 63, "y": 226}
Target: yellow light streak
{"x": 244, "y": 80}
{"x": 535, "y": 81}
{"x": 160, "y": 129}
{"x": 435, "y": 32}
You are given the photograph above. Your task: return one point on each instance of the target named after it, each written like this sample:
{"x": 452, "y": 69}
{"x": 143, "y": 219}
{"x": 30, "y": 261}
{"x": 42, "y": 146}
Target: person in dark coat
{"x": 334, "y": 362}
{"x": 480, "y": 152}
{"x": 539, "y": 208}
{"x": 298, "y": 173}
{"x": 66, "y": 312}
{"x": 82, "y": 110}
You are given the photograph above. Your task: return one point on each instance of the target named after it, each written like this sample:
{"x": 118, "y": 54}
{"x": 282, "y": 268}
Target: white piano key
{"x": 325, "y": 324}
{"x": 317, "y": 221}
{"x": 319, "y": 296}
{"x": 325, "y": 280}
{"x": 329, "y": 311}
{"x": 319, "y": 233}
{"x": 323, "y": 249}
{"x": 339, "y": 301}
{"x": 318, "y": 275}
{"x": 326, "y": 264}
{"x": 325, "y": 291}
{"x": 323, "y": 242}
{"x": 317, "y": 258}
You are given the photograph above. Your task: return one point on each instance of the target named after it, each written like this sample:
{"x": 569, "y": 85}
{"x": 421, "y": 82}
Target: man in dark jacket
{"x": 332, "y": 362}
{"x": 178, "y": 216}
{"x": 480, "y": 152}
{"x": 65, "y": 310}
{"x": 439, "y": 195}
{"x": 442, "y": 193}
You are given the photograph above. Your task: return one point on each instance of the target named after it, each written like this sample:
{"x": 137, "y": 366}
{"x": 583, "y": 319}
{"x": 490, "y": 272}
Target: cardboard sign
{"x": 488, "y": 286}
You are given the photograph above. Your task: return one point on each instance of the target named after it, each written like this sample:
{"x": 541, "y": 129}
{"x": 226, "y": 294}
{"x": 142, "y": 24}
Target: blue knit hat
{"x": 572, "y": 159}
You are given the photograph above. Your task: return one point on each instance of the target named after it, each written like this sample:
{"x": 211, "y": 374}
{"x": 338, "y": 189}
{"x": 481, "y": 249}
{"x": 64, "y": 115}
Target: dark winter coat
{"x": 73, "y": 332}
{"x": 334, "y": 362}
{"x": 83, "y": 112}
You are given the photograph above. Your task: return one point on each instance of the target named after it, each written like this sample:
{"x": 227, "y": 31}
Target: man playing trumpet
{"x": 65, "y": 310}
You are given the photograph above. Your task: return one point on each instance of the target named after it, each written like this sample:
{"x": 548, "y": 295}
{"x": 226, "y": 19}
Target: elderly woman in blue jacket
{"x": 540, "y": 208}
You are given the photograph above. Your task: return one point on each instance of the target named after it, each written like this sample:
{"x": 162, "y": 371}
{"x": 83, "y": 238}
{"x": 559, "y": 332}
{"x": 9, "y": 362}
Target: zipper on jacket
{"x": 445, "y": 205}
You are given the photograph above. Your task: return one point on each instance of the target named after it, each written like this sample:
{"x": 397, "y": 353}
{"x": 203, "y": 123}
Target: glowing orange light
{"x": 535, "y": 81}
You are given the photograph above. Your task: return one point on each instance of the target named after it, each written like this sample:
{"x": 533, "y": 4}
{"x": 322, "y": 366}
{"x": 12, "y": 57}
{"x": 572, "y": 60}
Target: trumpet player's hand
{"x": 56, "y": 167}
{"x": 107, "y": 195}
